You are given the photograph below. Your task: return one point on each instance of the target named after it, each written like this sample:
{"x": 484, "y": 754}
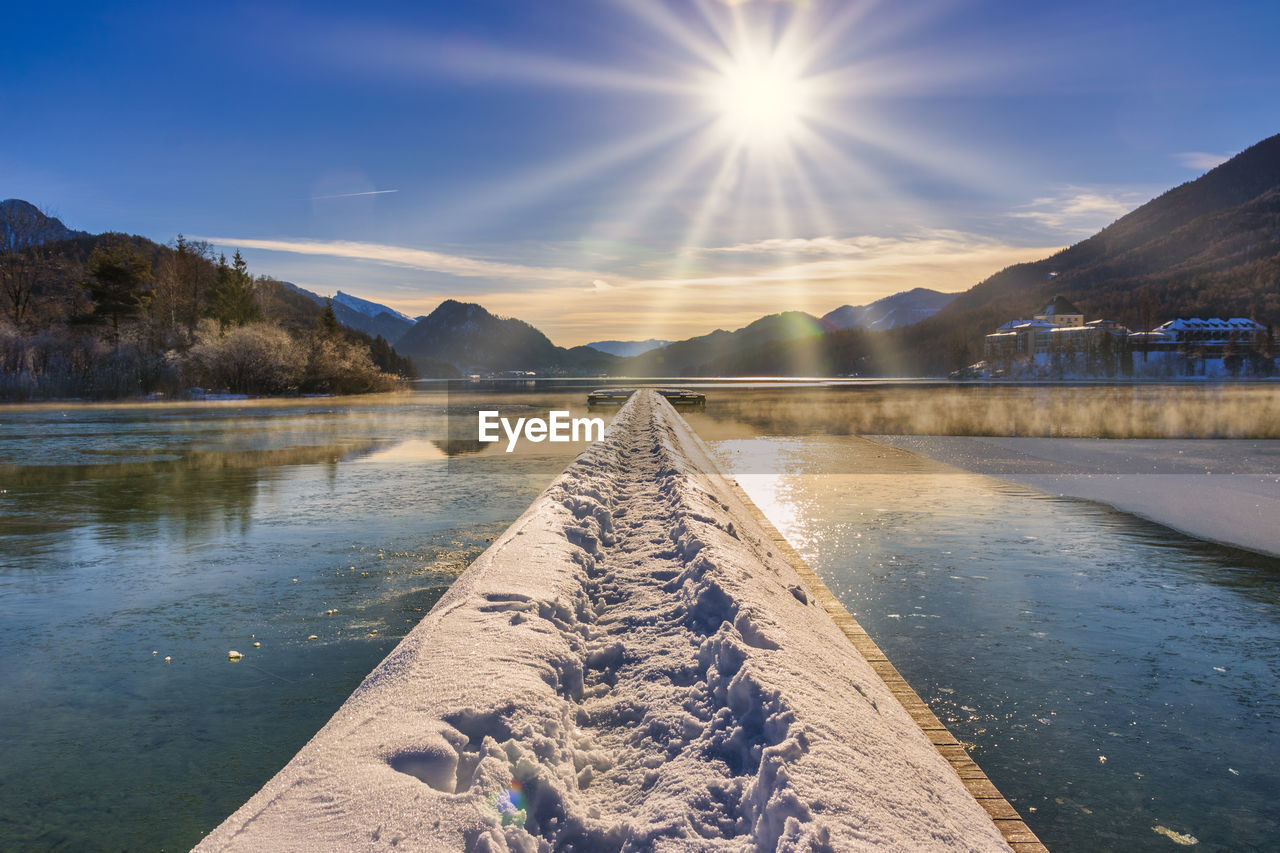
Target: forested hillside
{"x": 113, "y": 315}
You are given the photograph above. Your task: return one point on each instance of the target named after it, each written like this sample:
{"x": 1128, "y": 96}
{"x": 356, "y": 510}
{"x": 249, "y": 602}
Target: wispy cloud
{"x": 1201, "y": 161}
{"x": 1079, "y": 211}
{"x": 924, "y": 242}
{"x": 862, "y": 264}
{"x": 352, "y": 195}
{"x": 419, "y": 259}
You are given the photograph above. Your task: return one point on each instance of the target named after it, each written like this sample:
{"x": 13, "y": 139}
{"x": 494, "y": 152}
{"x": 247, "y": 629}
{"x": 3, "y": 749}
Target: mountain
{"x": 627, "y": 348}
{"x": 367, "y": 308}
{"x": 467, "y": 336}
{"x": 362, "y": 315}
{"x": 712, "y": 354}
{"x": 891, "y": 312}
{"x": 22, "y": 224}
{"x": 1207, "y": 248}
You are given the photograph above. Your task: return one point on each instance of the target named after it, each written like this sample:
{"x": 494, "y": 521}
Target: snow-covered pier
{"x": 639, "y": 662}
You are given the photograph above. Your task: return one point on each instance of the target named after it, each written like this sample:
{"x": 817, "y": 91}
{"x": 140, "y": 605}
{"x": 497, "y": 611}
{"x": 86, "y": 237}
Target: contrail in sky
{"x": 352, "y": 195}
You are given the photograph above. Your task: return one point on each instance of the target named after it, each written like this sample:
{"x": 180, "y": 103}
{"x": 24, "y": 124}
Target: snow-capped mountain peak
{"x": 365, "y": 307}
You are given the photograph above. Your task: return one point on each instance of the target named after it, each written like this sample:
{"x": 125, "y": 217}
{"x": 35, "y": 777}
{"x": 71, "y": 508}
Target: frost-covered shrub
{"x": 338, "y": 366}
{"x": 258, "y": 358}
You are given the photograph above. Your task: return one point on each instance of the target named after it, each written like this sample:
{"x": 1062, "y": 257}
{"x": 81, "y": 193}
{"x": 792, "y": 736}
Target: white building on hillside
{"x": 1058, "y": 343}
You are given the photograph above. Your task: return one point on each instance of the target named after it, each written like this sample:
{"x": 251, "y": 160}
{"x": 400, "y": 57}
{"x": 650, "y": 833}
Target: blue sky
{"x": 626, "y": 168}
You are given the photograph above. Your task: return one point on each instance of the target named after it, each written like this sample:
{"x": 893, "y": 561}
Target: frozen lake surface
{"x": 190, "y": 532}
{"x": 1112, "y": 676}
{"x": 1048, "y": 633}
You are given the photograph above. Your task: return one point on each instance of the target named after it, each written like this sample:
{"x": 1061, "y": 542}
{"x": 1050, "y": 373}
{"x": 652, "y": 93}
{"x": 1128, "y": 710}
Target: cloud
{"x": 419, "y": 259}
{"x": 866, "y": 246}
{"x": 1079, "y": 211}
{"x": 864, "y": 264}
{"x": 352, "y": 195}
{"x": 1201, "y": 161}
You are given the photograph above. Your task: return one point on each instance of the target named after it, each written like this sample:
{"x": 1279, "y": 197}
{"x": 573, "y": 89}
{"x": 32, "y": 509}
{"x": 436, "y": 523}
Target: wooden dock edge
{"x": 1006, "y": 818}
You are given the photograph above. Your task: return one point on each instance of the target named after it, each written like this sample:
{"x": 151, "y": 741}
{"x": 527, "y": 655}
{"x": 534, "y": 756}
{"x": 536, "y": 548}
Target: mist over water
{"x": 181, "y": 530}
{"x": 192, "y": 531}
{"x": 1067, "y": 411}
{"x": 1110, "y": 675}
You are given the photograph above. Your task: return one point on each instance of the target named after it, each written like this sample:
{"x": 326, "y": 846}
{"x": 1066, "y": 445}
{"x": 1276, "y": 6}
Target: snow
{"x": 1222, "y": 490}
{"x": 367, "y": 308}
{"x": 631, "y": 666}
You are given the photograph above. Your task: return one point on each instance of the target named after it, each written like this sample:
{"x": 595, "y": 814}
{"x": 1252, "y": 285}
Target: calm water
{"x": 1111, "y": 676}
{"x": 134, "y": 534}
{"x": 1046, "y": 633}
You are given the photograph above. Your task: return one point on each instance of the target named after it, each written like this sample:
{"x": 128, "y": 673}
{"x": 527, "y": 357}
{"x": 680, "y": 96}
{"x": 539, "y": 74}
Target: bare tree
{"x": 19, "y": 273}
{"x": 24, "y": 262}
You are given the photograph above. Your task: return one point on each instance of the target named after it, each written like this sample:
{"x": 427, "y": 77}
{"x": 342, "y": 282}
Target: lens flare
{"x": 510, "y": 805}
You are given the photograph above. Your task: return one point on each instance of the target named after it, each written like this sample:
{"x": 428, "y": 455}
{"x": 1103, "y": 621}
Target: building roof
{"x": 1213, "y": 324}
{"x": 1059, "y": 305}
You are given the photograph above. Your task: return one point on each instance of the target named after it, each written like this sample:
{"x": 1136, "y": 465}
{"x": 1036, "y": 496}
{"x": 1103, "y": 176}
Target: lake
{"x": 1047, "y": 634}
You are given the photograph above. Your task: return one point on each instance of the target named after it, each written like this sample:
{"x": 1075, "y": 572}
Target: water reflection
{"x": 181, "y": 497}
{"x": 192, "y": 530}
{"x": 1051, "y": 635}
{"x": 212, "y": 528}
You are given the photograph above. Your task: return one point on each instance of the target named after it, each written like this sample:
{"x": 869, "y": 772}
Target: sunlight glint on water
{"x": 1110, "y": 675}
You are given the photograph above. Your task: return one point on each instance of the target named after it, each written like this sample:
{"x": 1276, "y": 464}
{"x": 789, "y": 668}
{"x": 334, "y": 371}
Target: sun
{"x": 760, "y": 100}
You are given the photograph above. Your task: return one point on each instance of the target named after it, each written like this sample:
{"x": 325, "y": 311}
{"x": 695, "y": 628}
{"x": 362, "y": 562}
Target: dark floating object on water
{"x": 682, "y": 397}
{"x": 609, "y": 396}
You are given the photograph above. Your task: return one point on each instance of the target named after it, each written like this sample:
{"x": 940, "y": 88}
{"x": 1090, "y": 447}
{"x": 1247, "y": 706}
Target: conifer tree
{"x": 328, "y": 321}
{"x": 118, "y": 273}
{"x": 233, "y": 302}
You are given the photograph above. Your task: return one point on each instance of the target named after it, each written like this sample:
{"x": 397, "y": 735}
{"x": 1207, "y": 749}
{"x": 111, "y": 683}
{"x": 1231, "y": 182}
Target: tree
{"x": 118, "y": 273}
{"x": 232, "y": 300}
{"x": 20, "y": 275}
{"x": 191, "y": 277}
{"x": 1231, "y": 358}
{"x": 327, "y": 324}
{"x": 961, "y": 355}
{"x": 386, "y": 359}
{"x": 256, "y": 358}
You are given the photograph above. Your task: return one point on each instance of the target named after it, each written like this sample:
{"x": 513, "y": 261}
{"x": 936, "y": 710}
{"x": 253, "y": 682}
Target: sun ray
{"x": 858, "y": 182}
{"x": 660, "y": 17}
{"x": 715, "y": 196}
{"x": 512, "y": 194}
{"x": 820, "y": 219}
{"x": 952, "y": 164}
{"x": 673, "y": 175}
{"x": 781, "y": 127}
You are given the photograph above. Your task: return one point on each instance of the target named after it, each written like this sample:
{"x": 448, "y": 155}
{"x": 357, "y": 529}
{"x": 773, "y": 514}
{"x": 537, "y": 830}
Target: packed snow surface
{"x": 1223, "y": 490}
{"x": 631, "y": 666}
